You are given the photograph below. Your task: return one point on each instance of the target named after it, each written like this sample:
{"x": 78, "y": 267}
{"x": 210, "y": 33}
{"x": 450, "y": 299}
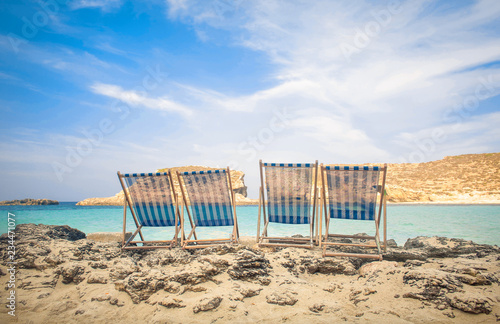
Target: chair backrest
{"x": 152, "y": 198}
{"x": 210, "y": 197}
{"x": 290, "y": 189}
{"x": 352, "y": 191}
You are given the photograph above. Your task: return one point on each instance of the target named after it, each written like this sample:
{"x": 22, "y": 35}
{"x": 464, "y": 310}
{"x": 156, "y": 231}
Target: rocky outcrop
{"x": 207, "y": 304}
{"x": 249, "y": 265}
{"x": 29, "y": 202}
{"x": 237, "y": 181}
{"x": 469, "y": 178}
{"x": 445, "y": 290}
{"x": 42, "y": 232}
{"x": 442, "y": 247}
{"x": 57, "y": 264}
{"x": 286, "y": 297}
{"x": 116, "y": 200}
{"x": 329, "y": 266}
{"x": 474, "y": 305}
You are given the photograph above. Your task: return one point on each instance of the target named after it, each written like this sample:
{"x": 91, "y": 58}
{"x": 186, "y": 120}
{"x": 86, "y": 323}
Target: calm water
{"x": 480, "y": 223}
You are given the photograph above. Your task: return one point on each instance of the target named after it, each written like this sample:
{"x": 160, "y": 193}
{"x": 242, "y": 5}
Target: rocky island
{"x": 62, "y": 276}
{"x": 28, "y": 201}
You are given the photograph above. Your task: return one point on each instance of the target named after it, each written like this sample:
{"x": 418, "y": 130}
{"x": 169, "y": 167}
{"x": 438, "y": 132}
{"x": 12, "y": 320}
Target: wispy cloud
{"x": 105, "y": 46}
{"x": 6, "y": 76}
{"x": 104, "y": 5}
{"x": 137, "y": 99}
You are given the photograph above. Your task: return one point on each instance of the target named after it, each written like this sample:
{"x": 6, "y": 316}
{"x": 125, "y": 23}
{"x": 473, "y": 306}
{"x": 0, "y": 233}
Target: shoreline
{"x": 458, "y": 202}
{"x": 404, "y": 220}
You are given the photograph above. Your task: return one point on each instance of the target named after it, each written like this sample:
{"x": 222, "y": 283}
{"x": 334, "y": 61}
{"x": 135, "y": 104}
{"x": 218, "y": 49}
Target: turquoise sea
{"x": 480, "y": 223}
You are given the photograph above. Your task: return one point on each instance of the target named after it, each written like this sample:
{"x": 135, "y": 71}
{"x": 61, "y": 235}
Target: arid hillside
{"x": 473, "y": 178}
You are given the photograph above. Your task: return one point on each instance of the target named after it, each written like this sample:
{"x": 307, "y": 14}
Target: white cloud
{"x": 104, "y": 5}
{"x": 67, "y": 61}
{"x": 105, "y": 46}
{"x": 175, "y": 6}
{"x": 135, "y": 98}
{"x": 6, "y": 76}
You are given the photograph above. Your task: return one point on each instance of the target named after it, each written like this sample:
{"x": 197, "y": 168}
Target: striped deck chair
{"x": 350, "y": 192}
{"x": 211, "y": 198}
{"x": 291, "y": 199}
{"x": 152, "y": 203}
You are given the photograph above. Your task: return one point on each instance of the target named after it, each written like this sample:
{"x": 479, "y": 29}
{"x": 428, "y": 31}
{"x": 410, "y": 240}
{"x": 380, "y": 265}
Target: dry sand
{"x": 83, "y": 281}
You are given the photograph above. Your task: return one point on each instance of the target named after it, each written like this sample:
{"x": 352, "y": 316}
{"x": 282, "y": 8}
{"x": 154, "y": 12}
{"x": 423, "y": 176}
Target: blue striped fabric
{"x": 209, "y": 196}
{"x": 352, "y": 191}
{"x": 289, "y": 190}
{"x": 152, "y": 198}
{"x": 204, "y": 172}
{"x": 291, "y": 165}
{"x": 135, "y": 175}
{"x": 353, "y": 168}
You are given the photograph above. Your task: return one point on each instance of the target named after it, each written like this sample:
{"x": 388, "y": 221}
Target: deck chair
{"x": 291, "y": 199}
{"x": 350, "y": 192}
{"x": 211, "y": 198}
{"x": 153, "y": 203}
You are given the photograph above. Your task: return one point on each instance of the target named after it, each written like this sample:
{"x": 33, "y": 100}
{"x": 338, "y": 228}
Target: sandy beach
{"x": 62, "y": 277}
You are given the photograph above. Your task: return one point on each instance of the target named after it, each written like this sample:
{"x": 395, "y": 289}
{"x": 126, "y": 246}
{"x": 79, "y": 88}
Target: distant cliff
{"x": 469, "y": 178}
{"x": 461, "y": 179}
{"x": 116, "y": 200}
{"x": 28, "y": 201}
{"x": 237, "y": 182}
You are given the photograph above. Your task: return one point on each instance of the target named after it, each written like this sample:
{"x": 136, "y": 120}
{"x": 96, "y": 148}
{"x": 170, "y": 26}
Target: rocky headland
{"x": 237, "y": 181}
{"x": 28, "y": 201}
{"x": 464, "y": 179}
{"x": 62, "y": 276}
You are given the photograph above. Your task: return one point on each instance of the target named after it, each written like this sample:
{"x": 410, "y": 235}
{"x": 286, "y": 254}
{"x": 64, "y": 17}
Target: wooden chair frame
{"x": 382, "y": 205}
{"x": 273, "y": 241}
{"x": 195, "y": 243}
{"x": 130, "y": 244}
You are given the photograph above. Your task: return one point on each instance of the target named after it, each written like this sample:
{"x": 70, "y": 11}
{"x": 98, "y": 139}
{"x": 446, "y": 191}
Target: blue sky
{"x": 91, "y": 87}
